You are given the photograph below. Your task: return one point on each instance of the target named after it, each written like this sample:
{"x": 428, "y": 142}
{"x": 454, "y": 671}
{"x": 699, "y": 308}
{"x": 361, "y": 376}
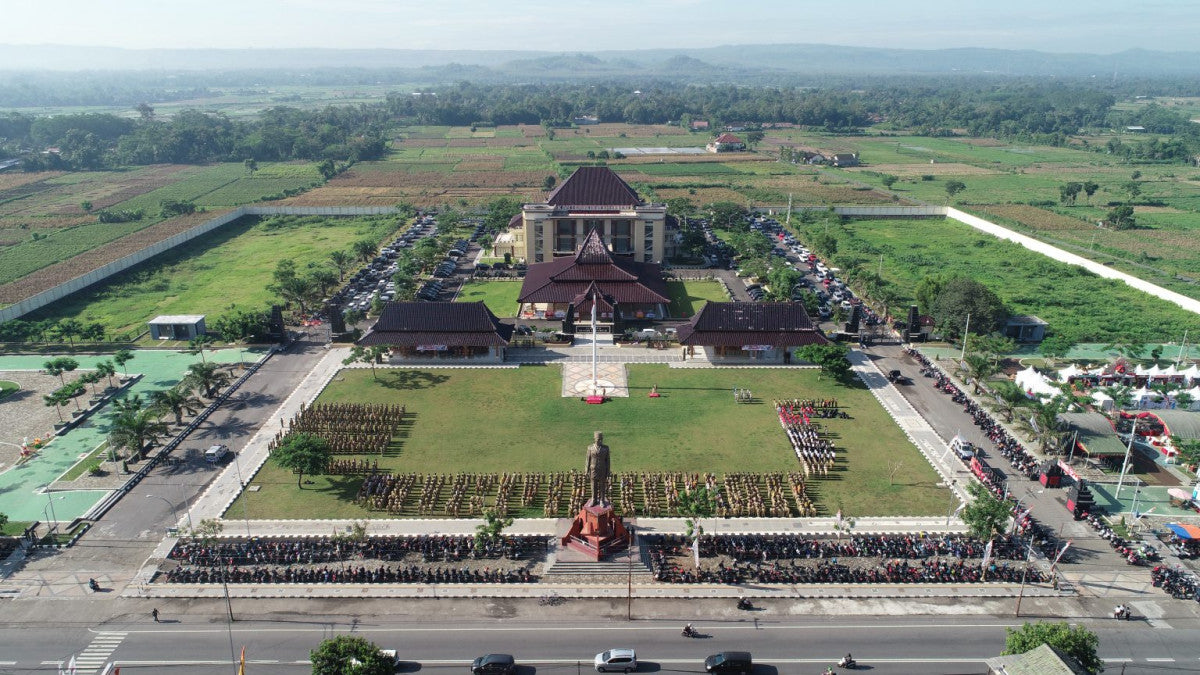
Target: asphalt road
{"x": 885, "y": 645}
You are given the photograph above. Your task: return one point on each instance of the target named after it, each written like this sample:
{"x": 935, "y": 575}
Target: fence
{"x": 103, "y": 272}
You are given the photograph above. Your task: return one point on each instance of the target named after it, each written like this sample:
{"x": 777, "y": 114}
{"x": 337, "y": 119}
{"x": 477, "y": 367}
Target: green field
{"x": 1074, "y": 301}
{"x": 499, "y": 296}
{"x": 687, "y": 297}
{"x": 232, "y": 265}
{"x": 515, "y": 420}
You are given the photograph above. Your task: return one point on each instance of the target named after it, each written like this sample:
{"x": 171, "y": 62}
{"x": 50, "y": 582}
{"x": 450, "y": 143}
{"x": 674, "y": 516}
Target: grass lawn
{"x": 230, "y": 265}
{"x": 515, "y": 420}
{"x": 687, "y": 297}
{"x": 499, "y": 296}
{"x": 7, "y": 388}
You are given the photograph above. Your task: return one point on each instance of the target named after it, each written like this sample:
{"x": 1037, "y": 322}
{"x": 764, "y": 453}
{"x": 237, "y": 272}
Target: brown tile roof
{"x": 621, "y": 279}
{"x": 594, "y": 186}
{"x": 729, "y": 324}
{"x": 456, "y": 324}
{"x": 728, "y": 138}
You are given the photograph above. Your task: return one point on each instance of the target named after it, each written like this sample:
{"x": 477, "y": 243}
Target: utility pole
{"x": 966, "y": 332}
{"x": 1024, "y": 574}
{"x": 1128, "y": 450}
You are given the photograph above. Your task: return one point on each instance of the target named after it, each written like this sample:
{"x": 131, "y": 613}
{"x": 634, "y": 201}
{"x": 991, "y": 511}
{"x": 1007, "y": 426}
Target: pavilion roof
{"x": 728, "y": 324}
{"x": 456, "y": 324}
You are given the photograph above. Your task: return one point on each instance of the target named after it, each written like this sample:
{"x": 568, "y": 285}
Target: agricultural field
{"x": 233, "y": 265}
{"x": 42, "y": 220}
{"x": 1074, "y": 301}
{"x": 467, "y": 420}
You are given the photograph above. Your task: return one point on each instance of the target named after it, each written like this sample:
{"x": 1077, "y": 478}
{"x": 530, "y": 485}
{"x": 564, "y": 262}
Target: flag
{"x": 960, "y": 509}
{"x": 1060, "y": 553}
{"x": 987, "y": 555}
{"x": 242, "y": 665}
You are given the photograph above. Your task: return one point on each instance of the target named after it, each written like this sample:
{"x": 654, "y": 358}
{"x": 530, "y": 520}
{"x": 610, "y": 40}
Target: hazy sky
{"x": 1094, "y": 26}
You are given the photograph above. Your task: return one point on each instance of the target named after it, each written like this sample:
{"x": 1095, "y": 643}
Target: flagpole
{"x": 595, "y": 358}
{"x": 1024, "y": 574}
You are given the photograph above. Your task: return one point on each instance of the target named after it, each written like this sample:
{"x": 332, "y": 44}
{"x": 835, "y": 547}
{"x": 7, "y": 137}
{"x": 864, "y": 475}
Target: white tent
{"x": 1103, "y": 400}
{"x": 1191, "y": 375}
{"x": 1035, "y": 385}
{"x": 1194, "y": 392}
{"x": 1142, "y": 371}
{"x": 1144, "y": 398}
{"x": 1070, "y": 371}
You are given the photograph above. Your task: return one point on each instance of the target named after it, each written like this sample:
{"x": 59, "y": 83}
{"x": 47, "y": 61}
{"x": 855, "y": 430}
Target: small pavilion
{"x": 749, "y": 332}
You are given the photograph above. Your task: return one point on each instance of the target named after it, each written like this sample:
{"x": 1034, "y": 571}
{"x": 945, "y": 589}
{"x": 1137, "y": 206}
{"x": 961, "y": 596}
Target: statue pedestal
{"x": 596, "y": 532}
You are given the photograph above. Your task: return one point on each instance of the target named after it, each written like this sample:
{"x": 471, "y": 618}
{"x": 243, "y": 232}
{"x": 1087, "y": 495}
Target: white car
{"x": 622, "y": 660}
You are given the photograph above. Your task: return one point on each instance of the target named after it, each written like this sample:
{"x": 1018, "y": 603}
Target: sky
{"x": 1088, "y": 26}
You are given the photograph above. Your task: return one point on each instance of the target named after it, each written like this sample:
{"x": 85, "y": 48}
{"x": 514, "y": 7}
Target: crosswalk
{"x": 94, "y": 657}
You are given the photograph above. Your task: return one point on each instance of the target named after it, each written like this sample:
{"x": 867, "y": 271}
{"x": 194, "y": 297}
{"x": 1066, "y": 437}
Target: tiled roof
{"x": 593, "y": 186}
{"x": 443, "y": 323}
{"x": 621, "y": 279}
{"x": 751, "y": 323}
{"x": 728, "y": 138}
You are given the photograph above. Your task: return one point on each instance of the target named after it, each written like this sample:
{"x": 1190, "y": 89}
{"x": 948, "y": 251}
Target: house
{"x": 726, "y": 142}
{"x": 177, "y": 326}
{"x": 814, "y": 157}
{"x": 1137, "y": 129}
{"x": 844, "y": 159}
{"x": 1025, "y": 328}
{"x": 699, "y": 125}
{"x": 451, "y": 331}
{"x": 584, "y": 120}
{"x": 592, "y": 198}
{"x": 749, "y": 332}
{"x": 621, "y": 288}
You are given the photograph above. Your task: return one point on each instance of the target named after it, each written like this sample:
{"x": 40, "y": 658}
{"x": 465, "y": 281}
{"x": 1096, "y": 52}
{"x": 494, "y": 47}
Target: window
{"x": 648, "y": 245}
{"x": 622, "y": 236}
{"x": 564, "y": 236}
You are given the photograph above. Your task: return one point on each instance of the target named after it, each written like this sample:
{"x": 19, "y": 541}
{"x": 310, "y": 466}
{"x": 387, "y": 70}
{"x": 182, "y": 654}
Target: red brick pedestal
{"x": 596, "y": 532}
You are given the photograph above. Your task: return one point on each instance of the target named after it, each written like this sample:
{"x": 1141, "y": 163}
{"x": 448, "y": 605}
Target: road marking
{"x": 554, "y": 662}
{"x": 95, "y": 655}
{"x": 1161, "y": 660}
{"x": 518, "y": 629}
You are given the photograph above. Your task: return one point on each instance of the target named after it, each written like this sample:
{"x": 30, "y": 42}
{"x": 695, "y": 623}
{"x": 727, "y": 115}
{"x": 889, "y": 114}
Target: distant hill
{"x": 703, "y": 63}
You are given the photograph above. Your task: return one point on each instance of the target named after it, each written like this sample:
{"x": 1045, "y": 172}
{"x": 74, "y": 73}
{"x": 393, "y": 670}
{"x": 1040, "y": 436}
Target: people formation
{"x": 815, "y": 452}
{"x": 349, "y": 428}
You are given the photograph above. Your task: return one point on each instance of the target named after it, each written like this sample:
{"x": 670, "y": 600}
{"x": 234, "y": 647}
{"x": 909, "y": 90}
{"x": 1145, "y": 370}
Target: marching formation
{"x": 815, "y": 452}
{"x": 350, "y": 428}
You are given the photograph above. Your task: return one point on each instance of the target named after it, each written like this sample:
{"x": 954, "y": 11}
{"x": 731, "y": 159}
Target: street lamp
{"x": 174, "y": 512}
{"x": 53, "y": 517}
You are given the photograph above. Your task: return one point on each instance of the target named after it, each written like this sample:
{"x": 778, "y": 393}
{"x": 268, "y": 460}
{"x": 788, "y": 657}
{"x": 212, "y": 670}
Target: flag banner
{"x": 1060, "y": 553}
{"x": 987, "y": 555}
{"x": 242, "y": 664}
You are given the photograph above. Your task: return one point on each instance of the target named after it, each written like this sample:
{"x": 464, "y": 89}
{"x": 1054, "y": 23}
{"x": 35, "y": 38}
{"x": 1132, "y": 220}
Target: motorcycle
{"x": 847, "y": 663}
{"x": 1122, "y": 614}
{"x": 689, "y": 632}
{"x": 93, "y": 585}
{"x": 745, "y": 604}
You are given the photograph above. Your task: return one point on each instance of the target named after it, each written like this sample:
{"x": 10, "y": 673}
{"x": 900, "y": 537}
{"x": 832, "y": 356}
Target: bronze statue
{"x": 598, "y": 470}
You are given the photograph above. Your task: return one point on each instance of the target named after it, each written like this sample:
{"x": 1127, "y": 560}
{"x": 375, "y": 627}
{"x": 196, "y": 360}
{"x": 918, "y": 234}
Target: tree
{"x": 927, "y": 291}
{"x": 548, "y": 183}
{"x": 825, "y": 244}
{"x": 298, "y": 290}
{"x": 1048, "y": 430}
{"x": 369, "y": 355}
{"x": 303, "y": 453}
{"x": 1133, "y": 189}
{"x": 1068, "y": 192}
{"x": 1055, "y": 346}
{"x": 93, "y": 331}
{"x": 987, "y": 515}
{"x": 1089, "y": 189}
{"x": 169, "y": 208}
{"x": 208, "y": 378}
{"x": 980, "y": 368}
{"x": 59, "y": 365}
{"x": 888, "y": 180}
{"x": 1121, "y": 218}
{"x": 1077, "y": 642}
{"x": 954, "y": 187}
{"x": 322, "y": 278}
{"x": 695, "y": 506}
{"x": 489, "y": 530}
{"x": 1126, "y": 349}
{"x": 176, "y": 401}
{"x": 1009, "y": 397}
{"x": 343, "y": 261}
{"x": 727, "y": 216}
{"x": 364, "y": 249}
{"x": 350, "y": 655}
{"x": 134, "y": 429}
{"x": 961, "y": 296}
{"x": 241, "y": 325}
{"x": 327, "y": 169}
{"x": 251, "y": 165}
{"x": 70, "y": 329}
{"x": 86, "y": 206}
{"x": 197, "y": 344}
{"x": 106, "y": 370}
{"x": 91, "y": 378}
{"x": 122, "y": 357}
{"x": 831, "y": 357}
{"x": 56, "y": 400}
{"x": 782, "y": 279}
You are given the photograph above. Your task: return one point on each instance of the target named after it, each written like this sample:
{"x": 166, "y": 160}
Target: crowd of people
{"x": 382, "y": 574}
{"x": 349, "y": 428}
{"x": 773, "y": 547}
{"x": 815, "y": 452}
{"x": 351, "y": 467}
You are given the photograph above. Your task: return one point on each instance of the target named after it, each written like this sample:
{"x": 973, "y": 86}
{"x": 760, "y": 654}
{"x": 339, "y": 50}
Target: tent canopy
{"x": 1184, "y": 530}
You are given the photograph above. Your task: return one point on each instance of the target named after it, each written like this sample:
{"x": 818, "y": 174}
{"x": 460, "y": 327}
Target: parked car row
{"x": 620, "y": 660}
{"x": 375, "y": 280}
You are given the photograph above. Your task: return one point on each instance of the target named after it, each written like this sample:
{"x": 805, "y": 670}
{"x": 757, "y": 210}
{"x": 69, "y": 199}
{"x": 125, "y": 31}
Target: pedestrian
{"x": 154, "y": 613}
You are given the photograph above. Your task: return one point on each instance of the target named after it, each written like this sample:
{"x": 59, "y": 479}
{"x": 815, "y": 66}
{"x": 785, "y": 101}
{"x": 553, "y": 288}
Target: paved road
{"x": 557, "y": 644}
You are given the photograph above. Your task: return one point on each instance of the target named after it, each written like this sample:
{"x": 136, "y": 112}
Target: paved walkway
{"x": 247, "y": 461}
{"x": 611, "y": 378}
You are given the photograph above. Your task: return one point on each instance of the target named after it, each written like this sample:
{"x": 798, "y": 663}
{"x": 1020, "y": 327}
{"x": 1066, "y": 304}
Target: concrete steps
{"x": 588, "y": 568}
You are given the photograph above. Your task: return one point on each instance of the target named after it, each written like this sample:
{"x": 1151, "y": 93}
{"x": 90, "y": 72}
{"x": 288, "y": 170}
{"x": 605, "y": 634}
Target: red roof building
{"x": 440, "y": 330}
{"x": 622, "y": 287}
{"x": 749, "y": 331}
{"x": 592, "y": 198}
{"x": 726, "y": 142}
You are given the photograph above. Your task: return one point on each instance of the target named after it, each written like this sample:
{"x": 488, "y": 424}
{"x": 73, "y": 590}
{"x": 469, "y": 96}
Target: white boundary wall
{"x": 121, "y": 264}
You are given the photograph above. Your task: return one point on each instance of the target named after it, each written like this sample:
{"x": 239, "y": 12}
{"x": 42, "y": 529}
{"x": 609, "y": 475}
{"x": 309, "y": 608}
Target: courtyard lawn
{"x": 230, "y": 265}
{"x": 687, "y": 297}
{"x": 499, "y": 296}
{"x": 491, "y": 421}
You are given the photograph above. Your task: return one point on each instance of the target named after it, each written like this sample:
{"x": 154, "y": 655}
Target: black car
{"x": 494, "y": 664}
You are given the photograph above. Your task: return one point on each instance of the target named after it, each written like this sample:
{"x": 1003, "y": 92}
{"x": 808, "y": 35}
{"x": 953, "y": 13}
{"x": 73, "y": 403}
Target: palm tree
{"x": 197, "y": 344}
{"x": 91, "y": 377}
{"x": 1009, "y": 397}
{"x": 60, "y": 365}
{"x": 343, "y": 261}
{"x": 980, "y": 367}
{"x": 133, "y": 430}
{"x": 129, "y": 404}
{"x": 206, "y": 377}
{"x": 70, "y": 329}
{"x": 122, "y": 357}
{"x": 106, "y": 369}
{"x": 176, "y": 401}
{"x": 1121, "y": 395}
{"x": 1048, "y": 430}
{"x": 57, "y": 401}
